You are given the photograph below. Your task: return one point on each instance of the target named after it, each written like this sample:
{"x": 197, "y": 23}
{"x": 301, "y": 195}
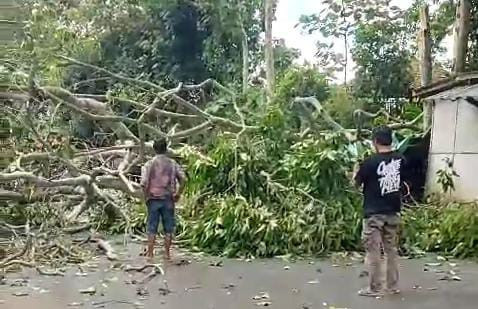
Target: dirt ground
{"x": 234, "y": 284}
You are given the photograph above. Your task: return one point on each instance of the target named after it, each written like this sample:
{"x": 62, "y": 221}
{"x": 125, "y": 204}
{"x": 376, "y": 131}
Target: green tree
{"x": 302, "y": 82}
{"x": 339, "y": 20}
{"x": 383, "y": 60}
{"x": 473, "y": 49}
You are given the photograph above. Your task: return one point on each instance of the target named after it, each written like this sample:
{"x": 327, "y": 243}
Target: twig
{"x": 18, "y": 262}
{"x": 318, "y": 107}
{"x": 129, "y": 268}
{"x": 77, "y": 229}
{"x": 196, "y": 110}
{"x": 5, "y": 262}
{"x": 156, "y": 111}
{"x": 55, "y": 273}
{"x": 106, "y": 248}
{"x": 157, "y": 270}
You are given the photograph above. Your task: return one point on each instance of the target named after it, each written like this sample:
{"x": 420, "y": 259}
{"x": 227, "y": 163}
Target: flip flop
{"x": 393, "y": 291}
{"x": 369, "y": 293}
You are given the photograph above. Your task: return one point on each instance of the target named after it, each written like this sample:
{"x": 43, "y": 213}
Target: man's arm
{"x": 145, "y": 173}
{"x": 360, "y": 174}
{"x": 405, "y": 176}
{"x": 181, "y": 181}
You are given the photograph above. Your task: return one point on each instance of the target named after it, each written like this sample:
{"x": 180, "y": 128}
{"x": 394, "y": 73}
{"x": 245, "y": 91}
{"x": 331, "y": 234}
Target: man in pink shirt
{"x": 162, "y": 181}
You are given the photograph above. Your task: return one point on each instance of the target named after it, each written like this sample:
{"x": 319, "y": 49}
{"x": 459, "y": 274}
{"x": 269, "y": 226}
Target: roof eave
{"x": 462, "y": 79}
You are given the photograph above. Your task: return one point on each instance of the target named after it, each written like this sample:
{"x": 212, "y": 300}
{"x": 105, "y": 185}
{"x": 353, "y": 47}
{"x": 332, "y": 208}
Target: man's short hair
{"x": 383, "y": 136}
{"x": 160, "y": 146}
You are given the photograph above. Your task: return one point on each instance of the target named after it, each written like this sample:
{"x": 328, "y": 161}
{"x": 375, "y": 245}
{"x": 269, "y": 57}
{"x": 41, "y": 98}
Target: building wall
{"x": 455, "y": 136}
{"x": 9, "y": 11}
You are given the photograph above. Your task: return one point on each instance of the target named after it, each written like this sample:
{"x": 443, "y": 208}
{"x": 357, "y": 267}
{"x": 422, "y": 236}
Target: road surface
{"x": 235, "y": 284}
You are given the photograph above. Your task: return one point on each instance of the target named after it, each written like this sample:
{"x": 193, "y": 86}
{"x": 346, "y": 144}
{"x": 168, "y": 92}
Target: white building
{"x": 454, "y": 134}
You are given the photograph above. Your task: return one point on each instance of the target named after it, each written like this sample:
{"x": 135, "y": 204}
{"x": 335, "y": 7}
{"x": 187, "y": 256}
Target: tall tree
{"x": 425, "y": 60}
{"x": 462, "y": 29}
{"x": 383, "y": 61}
{"x": 473, "y": 38}
{"x": 239, "y": 20}
{"x": 269, "y": 47}
{"x": 339, "y": 20}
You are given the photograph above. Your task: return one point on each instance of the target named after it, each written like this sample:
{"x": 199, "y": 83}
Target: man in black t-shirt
{"x": 381, "y": 177}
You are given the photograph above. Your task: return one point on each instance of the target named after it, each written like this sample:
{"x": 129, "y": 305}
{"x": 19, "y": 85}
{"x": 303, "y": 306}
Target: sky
{"x": 287, "y": 17}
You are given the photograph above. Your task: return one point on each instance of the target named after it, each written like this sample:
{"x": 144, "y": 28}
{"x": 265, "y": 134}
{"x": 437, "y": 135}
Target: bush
{"x": 262, "y": 196}
{"x": 450, "y": 229}
{"x": 232, "y": 226}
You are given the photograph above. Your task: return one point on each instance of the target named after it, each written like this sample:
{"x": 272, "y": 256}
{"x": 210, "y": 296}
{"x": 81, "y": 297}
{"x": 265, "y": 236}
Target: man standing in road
{"x": 162, "y": 181}
{"x": 381, "y": 176}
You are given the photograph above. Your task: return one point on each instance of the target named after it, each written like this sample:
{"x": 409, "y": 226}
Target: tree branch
{"x": 194, "y": 109}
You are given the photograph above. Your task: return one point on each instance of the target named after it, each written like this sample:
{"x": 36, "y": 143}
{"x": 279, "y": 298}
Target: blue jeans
{"x": 161, "y": 209}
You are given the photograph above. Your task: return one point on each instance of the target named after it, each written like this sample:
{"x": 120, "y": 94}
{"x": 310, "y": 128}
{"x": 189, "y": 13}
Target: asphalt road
{"x": 235, "y": 284}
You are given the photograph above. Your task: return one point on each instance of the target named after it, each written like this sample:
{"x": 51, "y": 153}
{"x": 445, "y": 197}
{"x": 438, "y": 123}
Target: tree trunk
{"x": 245, "y": 59}
{"x": 346, "y": 44}
{"x": 425, "y": 62}
{"x": 269, "y": 49}
{"x": 462, "y": 28}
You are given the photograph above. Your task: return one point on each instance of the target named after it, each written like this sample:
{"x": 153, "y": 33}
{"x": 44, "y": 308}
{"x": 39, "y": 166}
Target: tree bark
{"x": 245, "y": 59}
{"x": 462, "y": 29}
{"x": 269, "y": 48}
{"x": 425, "y": 62}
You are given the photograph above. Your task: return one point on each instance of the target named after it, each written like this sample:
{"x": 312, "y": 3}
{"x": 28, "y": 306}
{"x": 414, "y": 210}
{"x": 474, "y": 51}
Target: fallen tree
{"x": 84, "y": 181}
{"x": 77, "y": 177}
{"x": 93, "y": 180}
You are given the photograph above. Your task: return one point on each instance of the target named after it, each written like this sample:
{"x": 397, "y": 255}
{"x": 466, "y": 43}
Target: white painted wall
{"x": 455, "y": 136}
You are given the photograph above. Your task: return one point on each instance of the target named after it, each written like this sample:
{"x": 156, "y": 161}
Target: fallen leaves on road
{"x": 433, "y": 264}
{"x": 164, "y": 291}
{"x": 216, "y": 263}
{"x": 264, "y": 304}
{"x": 91, "y": 290}
{"x": 142, "y": 291}
{"x": 182, "y": 262}
{"x": 450, "y": 278}
{"x": 75, "y": 304}
{"x": 196, "y": 287}
{"x": 262, "y": 295}
{"x": 19, "y": 282}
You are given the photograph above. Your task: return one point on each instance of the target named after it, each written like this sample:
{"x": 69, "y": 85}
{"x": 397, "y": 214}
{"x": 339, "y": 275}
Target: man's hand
{"x": 407, "y": 188}
{"x": 351, "y": 175}
{"x": 176, "y": 197}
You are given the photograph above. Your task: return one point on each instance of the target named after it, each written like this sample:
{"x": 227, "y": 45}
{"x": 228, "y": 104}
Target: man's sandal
{"x": 369, "y": 293}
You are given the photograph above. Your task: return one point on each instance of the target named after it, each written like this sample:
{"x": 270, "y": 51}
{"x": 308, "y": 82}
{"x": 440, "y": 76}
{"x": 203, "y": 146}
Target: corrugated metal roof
{"x": 454, "y": 82}
{"x": 456, "y": 93}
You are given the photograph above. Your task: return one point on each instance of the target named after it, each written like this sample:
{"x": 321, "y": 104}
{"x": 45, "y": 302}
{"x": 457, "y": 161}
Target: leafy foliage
{"x": 383, "y": 63}
{"x": 446, "y": 176}
{"x": 473, "y": 39}
{"x": 302, "y": 82}
{"x": 277, "y": 190}
{"x": 450, "y": 229}
{"x": 270, "y": 203}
